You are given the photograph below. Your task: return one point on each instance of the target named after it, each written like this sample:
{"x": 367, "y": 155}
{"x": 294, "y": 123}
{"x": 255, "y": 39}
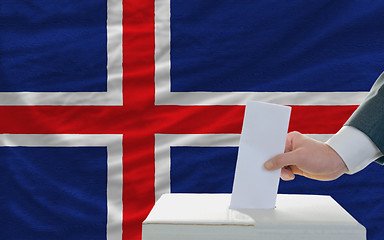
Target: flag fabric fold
{"x": 107, "y": 104}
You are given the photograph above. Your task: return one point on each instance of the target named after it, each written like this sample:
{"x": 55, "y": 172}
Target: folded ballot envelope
{"x": 208, "y": 217}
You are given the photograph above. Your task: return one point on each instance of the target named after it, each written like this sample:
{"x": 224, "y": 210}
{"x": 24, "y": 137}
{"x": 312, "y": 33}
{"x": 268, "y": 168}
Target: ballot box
{"x": 208, "y": 217}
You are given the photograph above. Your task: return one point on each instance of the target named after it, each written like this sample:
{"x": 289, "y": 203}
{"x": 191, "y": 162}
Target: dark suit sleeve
{"x": 369, "y": 116}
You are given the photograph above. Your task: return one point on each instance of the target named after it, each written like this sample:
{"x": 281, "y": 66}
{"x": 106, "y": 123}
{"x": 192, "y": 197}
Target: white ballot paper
{"x": 263, "y": 136}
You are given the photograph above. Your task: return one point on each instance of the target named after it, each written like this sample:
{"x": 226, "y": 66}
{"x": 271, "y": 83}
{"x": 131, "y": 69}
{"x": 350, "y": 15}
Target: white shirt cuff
{"x": 354, "y": 147}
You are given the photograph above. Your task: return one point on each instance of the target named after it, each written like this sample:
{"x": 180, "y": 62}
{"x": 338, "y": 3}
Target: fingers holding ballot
{"x": 307, "y": 157}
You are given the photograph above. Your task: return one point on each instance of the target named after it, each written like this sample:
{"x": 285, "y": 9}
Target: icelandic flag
{"x": 107, "y": 104}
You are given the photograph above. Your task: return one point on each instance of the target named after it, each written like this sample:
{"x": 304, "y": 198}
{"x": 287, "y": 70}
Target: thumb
{"x": 281, "y": 160}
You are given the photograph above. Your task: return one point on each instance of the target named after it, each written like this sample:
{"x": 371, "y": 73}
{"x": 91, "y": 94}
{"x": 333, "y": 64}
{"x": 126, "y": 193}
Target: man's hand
{"x": 307, "y": 157}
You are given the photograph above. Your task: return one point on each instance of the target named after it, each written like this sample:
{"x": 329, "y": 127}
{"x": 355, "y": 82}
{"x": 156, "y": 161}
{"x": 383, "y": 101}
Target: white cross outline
{"x": 114, "y": 94}
{"x": 164, "y": 96}
{"x": 113, "y": 142}
{"x": 164, "y": 142}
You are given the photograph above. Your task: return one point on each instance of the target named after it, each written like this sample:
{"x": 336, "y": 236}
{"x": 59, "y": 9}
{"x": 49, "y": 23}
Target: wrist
{"x": 340, "y": 167}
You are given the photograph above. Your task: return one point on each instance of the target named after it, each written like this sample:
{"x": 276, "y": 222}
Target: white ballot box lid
{"x": 207, "y": 216}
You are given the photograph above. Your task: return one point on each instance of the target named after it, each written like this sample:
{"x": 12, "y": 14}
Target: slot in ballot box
{"x": 208, "y": 217}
